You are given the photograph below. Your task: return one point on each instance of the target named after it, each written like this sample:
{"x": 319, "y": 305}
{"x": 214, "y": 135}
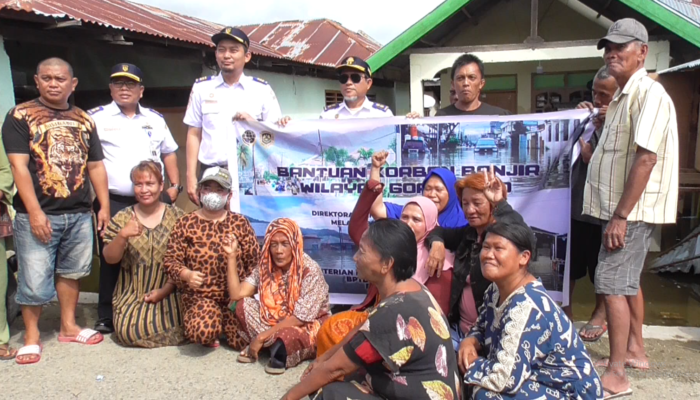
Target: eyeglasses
{"x": 128, "y": 84}
{"x": 343, "y": 78}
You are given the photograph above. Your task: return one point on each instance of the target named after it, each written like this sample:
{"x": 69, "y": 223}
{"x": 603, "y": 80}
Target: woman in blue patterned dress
{"x": 523, "y": 345}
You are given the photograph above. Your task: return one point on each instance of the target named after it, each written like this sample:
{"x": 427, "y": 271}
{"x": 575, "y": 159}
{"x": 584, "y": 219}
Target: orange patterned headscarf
{"x": 278, "y": 298}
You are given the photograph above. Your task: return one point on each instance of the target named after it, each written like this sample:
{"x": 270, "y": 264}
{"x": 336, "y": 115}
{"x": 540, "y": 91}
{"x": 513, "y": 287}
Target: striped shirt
{"x": 642, "y": 114}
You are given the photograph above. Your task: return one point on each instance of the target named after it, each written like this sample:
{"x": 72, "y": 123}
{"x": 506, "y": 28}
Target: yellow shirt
{"x": 641, "y": 114}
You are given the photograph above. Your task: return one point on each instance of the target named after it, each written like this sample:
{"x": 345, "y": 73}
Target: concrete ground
{"x": 109, "y": 371}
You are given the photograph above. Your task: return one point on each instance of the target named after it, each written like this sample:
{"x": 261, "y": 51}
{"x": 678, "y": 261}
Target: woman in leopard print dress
{"x": 196, "y": 261}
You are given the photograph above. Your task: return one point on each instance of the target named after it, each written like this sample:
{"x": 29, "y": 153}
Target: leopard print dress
{"x": 195, "y": 244}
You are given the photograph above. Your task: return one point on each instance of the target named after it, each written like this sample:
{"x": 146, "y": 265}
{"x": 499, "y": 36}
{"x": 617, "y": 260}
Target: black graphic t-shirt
{"x": 59, "y": 143}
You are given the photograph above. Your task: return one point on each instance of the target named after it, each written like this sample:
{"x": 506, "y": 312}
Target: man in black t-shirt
{"x": 55, "y": 155}
{"x": 467, "y": 82}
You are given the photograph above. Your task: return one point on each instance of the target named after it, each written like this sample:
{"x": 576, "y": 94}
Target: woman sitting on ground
{"x": 146, "y": 306}
{"x": 403, "y": 349}
{"x": 421, "y": 215}
{"x": 438, "y": 186}
{"x": 197, "y": 262}
{"x": 483, "y": 201}
{"x": 522, "y": 345}
{"x": 293, "y": 298}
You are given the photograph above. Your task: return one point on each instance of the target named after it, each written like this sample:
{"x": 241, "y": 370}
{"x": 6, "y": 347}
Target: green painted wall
{"x": 7, "y": 97}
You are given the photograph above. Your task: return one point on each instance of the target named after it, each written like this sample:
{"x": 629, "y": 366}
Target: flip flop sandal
{"x": 589, "y": 327}
{"x": 83, "y": 337}
{"x": 31, "y": 350}
{"x": 272, "y": 370}
{"x": 213, "y": 345}
{"x": 244, "y": 358}
{"x": 617, "y": 395}
{"x": 9, "y": 354}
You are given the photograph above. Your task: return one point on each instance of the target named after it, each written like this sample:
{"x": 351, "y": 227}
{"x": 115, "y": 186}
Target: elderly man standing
{"x": 129, "y": 134}
{"x": 55, "y": 155}
{"x": 632, "y": 185}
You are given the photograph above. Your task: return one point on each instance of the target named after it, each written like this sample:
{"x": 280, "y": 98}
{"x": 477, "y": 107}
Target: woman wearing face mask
{"x": 197, "y": 262}
{"x": 484, "y": 202}
{"x": 293, "y": 298}
{"x": 146, "y": 306}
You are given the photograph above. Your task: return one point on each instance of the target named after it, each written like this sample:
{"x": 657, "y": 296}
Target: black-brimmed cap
{"x": 232, "y": 34}
{"x": 624, "y": 31}
{"x": 355, "y": 63}
{"x": 128, "y": 71}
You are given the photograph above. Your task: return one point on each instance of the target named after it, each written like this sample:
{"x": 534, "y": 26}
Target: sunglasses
{"x": 343, "y": 78}
{"x": 128, "y": 84}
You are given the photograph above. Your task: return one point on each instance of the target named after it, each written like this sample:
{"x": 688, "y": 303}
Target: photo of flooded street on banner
{"x": 314, "y": 171}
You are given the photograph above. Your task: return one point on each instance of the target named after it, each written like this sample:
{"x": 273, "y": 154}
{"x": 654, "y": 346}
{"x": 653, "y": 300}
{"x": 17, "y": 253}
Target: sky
{"x": 383, "y": 20}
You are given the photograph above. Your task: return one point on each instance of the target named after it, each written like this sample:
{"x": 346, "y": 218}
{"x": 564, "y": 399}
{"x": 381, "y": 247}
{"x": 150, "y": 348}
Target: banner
{"x": 314, "y": 171}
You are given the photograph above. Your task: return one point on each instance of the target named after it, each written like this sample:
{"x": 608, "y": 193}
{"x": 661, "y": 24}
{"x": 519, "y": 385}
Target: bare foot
{"x": 614, "y": 383}
{"x": 640, "y": 363}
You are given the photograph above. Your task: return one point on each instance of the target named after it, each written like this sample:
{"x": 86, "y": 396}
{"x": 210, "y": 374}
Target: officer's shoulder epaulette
{"x": 332, "y": 107}
{"x": 256, "y": 79}
{"x": 380, "y": 106}
{"x": 155, "y": 112}
{"x": 94, "y": 110}
{"x": 204, "y": 78}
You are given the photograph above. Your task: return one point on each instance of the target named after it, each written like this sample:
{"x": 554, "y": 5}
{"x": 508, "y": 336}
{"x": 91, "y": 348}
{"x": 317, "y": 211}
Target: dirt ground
{"x": 109, "y": 371}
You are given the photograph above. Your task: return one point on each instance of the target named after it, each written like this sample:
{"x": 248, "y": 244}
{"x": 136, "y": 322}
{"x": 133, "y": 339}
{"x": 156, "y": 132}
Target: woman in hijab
{"x": 293, "y": 298}
{"x": 421, "y": 215}
{"x": 438, "y": 186}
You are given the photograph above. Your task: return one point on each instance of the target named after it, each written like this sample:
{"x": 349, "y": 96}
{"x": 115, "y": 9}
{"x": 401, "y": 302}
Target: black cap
{"x": 127, "y": 70}
{"x": 624, "y": 31}
{"x": 232, "y": 34}
{"x": 355, "y": 63}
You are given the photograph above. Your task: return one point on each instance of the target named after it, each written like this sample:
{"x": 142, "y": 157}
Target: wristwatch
{"x": 179, "y": 187}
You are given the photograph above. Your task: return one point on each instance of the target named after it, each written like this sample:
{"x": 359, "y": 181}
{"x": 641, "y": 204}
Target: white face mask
{"x": 213, "y": 201}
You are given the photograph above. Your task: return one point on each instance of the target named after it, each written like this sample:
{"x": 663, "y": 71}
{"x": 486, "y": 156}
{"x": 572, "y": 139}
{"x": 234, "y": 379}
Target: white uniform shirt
{"x": 213, "y": 104}
{"x": 128, "y": 141}
{"x": 368, "y": 109}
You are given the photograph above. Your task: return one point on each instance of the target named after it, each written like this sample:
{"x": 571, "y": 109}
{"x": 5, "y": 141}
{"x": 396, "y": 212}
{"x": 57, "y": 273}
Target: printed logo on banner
{"x": 319, "y": 173}
{"x": 248, "y": 137}
{"x": 267, "y": 139}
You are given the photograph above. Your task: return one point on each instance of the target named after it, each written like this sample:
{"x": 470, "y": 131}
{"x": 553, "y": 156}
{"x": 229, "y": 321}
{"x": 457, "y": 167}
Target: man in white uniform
{"x": 216, "y": 102}
{"x": 129, "y": 134}
{"x": 355, "y": 77}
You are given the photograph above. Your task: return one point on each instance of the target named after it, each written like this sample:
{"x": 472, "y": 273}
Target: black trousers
{"x": 109, "y": 273}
